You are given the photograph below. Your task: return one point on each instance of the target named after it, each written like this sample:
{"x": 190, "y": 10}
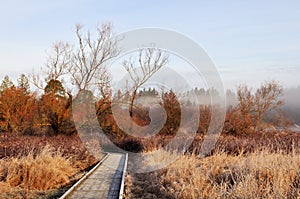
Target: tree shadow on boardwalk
{"x": 114, "y": 188}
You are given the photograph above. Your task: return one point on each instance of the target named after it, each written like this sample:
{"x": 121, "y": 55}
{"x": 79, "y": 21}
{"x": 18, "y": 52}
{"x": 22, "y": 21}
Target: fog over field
{"x": 183, "y": 99}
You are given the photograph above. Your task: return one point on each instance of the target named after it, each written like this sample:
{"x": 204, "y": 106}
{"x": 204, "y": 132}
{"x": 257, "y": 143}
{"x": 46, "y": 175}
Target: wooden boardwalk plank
{"x": 104, "y": 182}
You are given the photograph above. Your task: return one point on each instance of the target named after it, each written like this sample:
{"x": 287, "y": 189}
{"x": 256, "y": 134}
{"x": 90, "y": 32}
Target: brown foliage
{"x": 247, "y": 116}
{"x": 204, "y": 119}
{"x": 56, "y": 113}
{"x": 18, "y": 110}
{"x": 236, "y": 144}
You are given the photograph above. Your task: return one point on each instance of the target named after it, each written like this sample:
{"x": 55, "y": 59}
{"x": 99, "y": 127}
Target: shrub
{"x": 248, "y": 115}
{"x": 55, "y": 111}
{"x": 18, "y": 110}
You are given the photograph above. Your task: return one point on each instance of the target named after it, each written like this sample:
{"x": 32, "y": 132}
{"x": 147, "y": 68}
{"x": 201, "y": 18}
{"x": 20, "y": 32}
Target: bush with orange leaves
{"x": 56, "y": 113}
{"x": 248, "y": 115}
{"x": 55, "y": 109}
{"x": 18, "y": 110}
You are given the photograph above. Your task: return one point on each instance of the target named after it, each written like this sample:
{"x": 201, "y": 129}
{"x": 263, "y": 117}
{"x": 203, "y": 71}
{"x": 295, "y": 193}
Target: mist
{"x": 291, "y": 107}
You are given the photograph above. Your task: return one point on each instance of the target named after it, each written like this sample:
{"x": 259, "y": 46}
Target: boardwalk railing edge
{"x": 84, "y": 177}
{"x": 123, "y": 177}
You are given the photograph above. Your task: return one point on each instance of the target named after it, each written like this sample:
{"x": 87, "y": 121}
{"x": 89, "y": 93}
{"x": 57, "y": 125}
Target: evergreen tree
{"x": 6, "y": 83}
{"x": 23, "y": 83}
{"x": 55, "y": 87}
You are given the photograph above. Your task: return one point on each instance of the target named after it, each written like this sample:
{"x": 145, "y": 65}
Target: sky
{"x": 249, "y": 41}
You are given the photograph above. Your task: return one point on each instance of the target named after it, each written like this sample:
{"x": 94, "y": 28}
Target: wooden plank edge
{"x": 84, "y": 177}
{"x": 123, "y": 177}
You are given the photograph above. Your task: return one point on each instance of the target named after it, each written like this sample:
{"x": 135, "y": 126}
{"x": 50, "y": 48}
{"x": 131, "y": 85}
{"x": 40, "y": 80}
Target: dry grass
{"x": 260, "y": 174}
{"x": 21, "y": 176}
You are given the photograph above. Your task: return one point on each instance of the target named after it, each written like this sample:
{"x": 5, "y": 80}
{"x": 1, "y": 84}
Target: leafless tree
{"x": 59, "y": 61}
{"x": 104, "y": 83}
{"x": 88, "y": 60}
{"x": 82, "y": 63}
{"x": 57, "y": 64}
{"x": 150, "y": 60}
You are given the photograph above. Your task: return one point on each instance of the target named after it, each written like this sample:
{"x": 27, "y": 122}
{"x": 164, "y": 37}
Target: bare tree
{"x": 56, "y": 67}
{"x": 104, "y": 83}
{"x": 59, "y": 61}
{"x": 84, "y": 63}
{"x": 150, "y": 60}
{"x": 265, "y": 98}
{"x": 88, "y": 60}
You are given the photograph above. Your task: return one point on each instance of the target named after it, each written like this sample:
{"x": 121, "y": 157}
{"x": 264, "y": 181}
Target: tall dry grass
{"x": 261, "y": 174}
{"x": 44, "y": 171}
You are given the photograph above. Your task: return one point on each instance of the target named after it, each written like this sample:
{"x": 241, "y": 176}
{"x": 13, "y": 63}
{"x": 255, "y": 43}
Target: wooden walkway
{"x": 105, "y": 180}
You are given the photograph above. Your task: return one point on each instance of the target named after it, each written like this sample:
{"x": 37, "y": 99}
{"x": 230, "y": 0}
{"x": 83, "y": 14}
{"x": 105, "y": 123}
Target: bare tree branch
{"x": 83, "y": 63}
{"x": 88, "y": 61}
{"x": 59, "y": 61}
{"x": 149, "y": 62}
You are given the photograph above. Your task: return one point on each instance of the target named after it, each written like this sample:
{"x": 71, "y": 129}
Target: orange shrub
{"x": 18, "y": 110}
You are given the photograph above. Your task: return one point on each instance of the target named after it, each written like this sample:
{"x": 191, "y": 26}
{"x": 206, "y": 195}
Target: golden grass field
{"x": 259, "y": 174}
{"x": 41, "y": 167}
{"x": 254, "y": 170}
{"x": 42, "y": 172}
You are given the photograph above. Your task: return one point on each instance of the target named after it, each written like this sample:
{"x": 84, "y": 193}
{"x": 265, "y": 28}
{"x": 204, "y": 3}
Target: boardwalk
{"x": 104, "y": 182}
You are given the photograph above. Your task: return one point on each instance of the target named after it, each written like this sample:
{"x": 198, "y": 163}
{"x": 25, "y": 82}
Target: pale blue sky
{"x": 249, "y": 41}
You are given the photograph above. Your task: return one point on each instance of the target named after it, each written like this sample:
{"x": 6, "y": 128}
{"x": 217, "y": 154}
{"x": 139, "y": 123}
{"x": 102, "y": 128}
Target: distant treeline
{"x": 22, "y": 111}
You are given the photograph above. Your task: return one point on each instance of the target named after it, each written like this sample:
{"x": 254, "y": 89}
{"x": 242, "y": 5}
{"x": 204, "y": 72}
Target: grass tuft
{"x": 43, "y": 171}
